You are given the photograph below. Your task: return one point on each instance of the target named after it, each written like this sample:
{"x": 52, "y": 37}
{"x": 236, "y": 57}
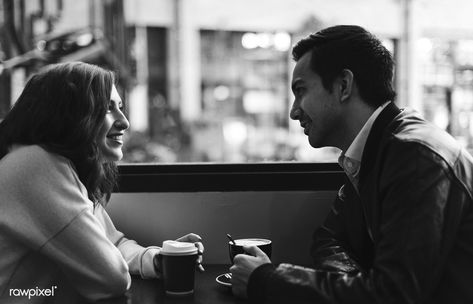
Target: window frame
{"x": 229, "y": 177}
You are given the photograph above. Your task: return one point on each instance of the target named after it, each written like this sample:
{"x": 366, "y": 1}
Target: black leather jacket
{"x": 407, "y": 237}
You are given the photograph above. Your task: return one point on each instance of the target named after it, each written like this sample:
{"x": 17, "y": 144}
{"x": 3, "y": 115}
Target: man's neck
{"x": 357, "y": 113}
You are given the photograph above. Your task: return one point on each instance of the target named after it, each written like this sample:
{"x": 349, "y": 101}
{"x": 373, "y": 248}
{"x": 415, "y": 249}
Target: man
{"x": 401, "y": 228}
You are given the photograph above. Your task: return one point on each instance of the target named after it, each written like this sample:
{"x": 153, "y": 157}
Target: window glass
{"x": 208, "y": 80}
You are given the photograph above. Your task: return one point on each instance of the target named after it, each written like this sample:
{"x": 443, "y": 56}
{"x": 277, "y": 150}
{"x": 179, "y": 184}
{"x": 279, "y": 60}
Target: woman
{"x": 58, "y": 151}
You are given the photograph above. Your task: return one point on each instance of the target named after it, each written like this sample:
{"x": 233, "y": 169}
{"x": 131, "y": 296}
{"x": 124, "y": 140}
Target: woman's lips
{"x": 116, "y": 138}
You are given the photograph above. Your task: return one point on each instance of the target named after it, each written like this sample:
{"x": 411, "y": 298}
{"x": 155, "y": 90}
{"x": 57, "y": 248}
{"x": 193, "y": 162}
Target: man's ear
{"x": 345, "y": 85}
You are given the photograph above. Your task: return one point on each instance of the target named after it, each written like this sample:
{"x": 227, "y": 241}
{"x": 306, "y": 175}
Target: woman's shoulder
{"x": 34, "y": 159}
{"x": 34, "y": 167}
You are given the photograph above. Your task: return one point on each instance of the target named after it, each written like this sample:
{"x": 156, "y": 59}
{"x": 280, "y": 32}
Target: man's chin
{"x": 317, "y": 142}
{"x": 314, "y": 143}
{"x": 313, "y": 140}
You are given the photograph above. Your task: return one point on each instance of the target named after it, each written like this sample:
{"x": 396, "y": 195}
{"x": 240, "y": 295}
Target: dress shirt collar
{"x": 350, "y": 160}
{"x": 355, "y": 150}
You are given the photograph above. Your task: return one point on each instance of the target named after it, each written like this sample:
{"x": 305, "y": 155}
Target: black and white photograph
{"x": 236, "y": 151}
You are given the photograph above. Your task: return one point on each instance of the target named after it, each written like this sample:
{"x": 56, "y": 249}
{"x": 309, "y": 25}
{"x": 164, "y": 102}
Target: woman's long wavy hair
{"x": 62, "y": 109}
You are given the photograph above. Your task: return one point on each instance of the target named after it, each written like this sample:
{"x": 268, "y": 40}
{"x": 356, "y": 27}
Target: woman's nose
{"x": 122, "y": 122}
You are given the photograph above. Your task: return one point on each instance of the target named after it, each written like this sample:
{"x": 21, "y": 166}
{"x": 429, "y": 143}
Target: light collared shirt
{"x": 350, "y": 160}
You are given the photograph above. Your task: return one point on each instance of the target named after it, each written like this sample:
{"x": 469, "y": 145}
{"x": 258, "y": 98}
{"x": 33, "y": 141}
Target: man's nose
{"x": 295, "y": 112}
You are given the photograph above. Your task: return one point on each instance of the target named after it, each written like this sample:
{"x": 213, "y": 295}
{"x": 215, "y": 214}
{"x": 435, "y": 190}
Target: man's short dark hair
{"x": 351, "y": 47}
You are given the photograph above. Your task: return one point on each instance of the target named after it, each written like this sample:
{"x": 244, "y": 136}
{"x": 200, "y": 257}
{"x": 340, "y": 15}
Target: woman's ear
{"x": 345, "y": 85}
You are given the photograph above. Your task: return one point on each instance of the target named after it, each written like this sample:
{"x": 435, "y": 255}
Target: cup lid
{"x": 178, "y": 248}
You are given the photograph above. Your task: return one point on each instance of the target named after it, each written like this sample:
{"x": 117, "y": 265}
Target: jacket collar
{"x": 374, "y": 138}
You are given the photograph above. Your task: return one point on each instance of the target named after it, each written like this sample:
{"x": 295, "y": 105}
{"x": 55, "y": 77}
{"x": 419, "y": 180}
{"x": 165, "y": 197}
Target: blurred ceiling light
{"x": 235, "y": 132}
{"x": 264, "y": 40}
{"x": 249, "y": 40}
{"x": 282, "y": 41}
{"x": 221, "y": 92}
{"x": 85, "y": 39}
{"x": 425, "y": 45}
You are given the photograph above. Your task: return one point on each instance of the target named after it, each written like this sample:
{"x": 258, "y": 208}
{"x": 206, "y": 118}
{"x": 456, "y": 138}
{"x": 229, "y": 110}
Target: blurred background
{"x": 208, "y": 80}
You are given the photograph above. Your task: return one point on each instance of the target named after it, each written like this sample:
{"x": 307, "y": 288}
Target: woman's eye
{"x": 113, "y": 106}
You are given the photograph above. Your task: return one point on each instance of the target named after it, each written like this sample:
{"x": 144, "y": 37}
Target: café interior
{"x": 201, "y": 155}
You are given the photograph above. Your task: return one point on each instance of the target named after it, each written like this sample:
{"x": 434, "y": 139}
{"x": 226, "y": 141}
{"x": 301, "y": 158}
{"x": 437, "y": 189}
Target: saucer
{"x": 224, "y": 280}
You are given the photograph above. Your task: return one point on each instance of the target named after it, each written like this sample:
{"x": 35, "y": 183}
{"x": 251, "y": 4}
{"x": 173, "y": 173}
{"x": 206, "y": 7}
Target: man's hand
{"x": 243, "y": 266}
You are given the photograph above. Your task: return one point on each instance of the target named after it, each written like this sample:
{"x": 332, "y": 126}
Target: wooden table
{"x": 206, "y": 290}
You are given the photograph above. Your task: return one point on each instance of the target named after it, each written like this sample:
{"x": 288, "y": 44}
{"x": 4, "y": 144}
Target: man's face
{"x": 316, "y": 108}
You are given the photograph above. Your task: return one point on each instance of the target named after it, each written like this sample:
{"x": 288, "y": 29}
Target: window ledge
{"x": 209, "y": 177}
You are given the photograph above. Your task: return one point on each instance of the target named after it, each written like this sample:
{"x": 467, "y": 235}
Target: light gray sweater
{"x": 52, "y": 238}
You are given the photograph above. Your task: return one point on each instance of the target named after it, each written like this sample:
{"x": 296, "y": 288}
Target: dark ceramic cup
{"x": 264, "y": 244}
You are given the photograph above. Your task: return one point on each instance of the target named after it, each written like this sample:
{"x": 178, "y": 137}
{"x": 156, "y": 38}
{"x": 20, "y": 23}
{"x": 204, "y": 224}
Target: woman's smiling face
{"x": 110, "y": 136}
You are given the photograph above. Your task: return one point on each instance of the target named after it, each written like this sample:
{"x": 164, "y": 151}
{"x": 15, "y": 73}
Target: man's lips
{"x": 305, "y": 125}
